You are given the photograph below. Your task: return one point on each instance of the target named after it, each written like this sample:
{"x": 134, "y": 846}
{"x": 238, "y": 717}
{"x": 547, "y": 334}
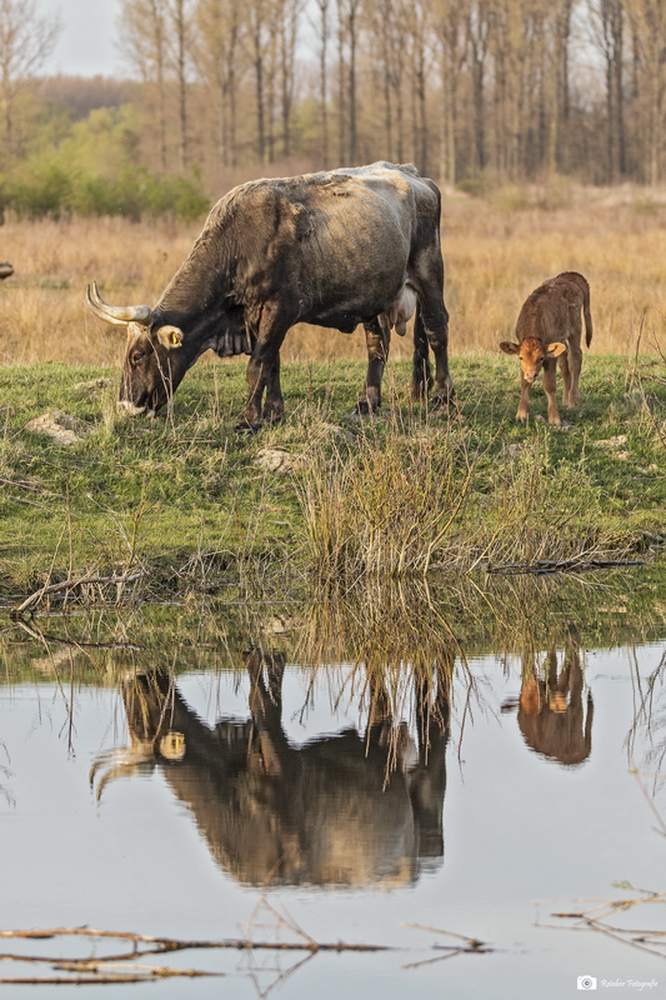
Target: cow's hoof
{"x": 244, "y": 427}
{"x": 441, "y": 403}
{"x": 363, "y": 409}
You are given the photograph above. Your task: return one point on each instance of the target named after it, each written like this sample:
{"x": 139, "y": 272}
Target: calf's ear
{"x": 508, "y": 347}
{"x": 170, "y": 337}
{"x": 556, "y": 349}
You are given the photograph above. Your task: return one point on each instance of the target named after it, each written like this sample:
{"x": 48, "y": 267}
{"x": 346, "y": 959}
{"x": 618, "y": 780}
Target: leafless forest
{"x": 471, "y": 91}
{"x": 476, "y": 93}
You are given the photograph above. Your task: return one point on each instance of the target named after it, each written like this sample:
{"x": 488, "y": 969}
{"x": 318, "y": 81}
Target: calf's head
{"x": 532, "y": 353}
{"x": 156, "y": 357}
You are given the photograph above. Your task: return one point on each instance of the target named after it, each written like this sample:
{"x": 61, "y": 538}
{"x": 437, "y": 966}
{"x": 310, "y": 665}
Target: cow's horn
{"x": 119, "y": 315}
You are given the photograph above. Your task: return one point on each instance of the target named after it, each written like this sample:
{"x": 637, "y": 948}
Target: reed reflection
{"x": 349, "y": 809}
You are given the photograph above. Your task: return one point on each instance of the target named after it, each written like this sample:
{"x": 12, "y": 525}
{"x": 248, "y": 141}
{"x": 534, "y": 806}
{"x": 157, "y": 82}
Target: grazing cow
{"x": 551, "y": 715}
{"x": 346, "y": 809}
{"x": 335, "y": 249}
{"x": 549, "y": 328}
{"x": 6, "y": 270}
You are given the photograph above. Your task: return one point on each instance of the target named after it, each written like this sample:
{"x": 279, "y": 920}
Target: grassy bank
{"x": 185, "y": 504}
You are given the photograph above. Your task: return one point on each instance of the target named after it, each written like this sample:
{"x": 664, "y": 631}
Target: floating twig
{"x": 595, "y": 918}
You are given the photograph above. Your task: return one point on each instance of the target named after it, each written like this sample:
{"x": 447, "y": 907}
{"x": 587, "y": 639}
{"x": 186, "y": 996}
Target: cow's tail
{"x": 585, "y": 289}
{"x": 587, "y": 314}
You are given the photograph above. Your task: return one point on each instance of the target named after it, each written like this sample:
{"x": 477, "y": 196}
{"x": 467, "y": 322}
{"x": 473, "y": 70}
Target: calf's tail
{"x": 588, "y": 317}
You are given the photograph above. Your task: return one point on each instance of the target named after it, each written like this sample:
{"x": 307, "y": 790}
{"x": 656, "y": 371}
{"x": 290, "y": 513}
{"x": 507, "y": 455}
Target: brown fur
{"x": 553, "y": 716}
{"x": 549, "y": 328}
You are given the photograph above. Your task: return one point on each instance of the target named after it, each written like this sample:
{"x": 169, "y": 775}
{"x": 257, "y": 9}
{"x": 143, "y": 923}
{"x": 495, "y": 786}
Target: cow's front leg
{"x": 377, "y": 341}
{"x": 524, "y": 404}
{"x": 274, "y": 403}
{"x": 250, "y": 418}
{"x": 549, "y": 385}
{"x": 263, "y": 368}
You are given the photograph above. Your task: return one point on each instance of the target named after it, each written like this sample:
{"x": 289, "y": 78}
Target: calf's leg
{"x": 575, "y": 364}
{"x": 549, "y": 385}
{"x": 524, "y": 404}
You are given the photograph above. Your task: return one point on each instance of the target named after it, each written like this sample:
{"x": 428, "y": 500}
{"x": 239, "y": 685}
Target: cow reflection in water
{"x": 339, "y": 810}
{"x": 551, "y": 715}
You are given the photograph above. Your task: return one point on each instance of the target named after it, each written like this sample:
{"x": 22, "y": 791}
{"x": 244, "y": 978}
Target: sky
{"x": 87, "y": 43}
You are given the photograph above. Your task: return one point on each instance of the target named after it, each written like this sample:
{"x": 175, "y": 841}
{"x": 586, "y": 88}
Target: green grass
{"x": 183, "y": 499}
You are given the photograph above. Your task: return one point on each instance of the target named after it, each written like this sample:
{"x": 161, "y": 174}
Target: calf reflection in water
{"x": 348, "y": 809}
{"x": 551, "y": 715}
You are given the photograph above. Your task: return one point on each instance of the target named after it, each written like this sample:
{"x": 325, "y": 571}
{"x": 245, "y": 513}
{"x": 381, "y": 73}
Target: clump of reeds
{"x": 387, "y": 504}
{"x": 539, "y": 511}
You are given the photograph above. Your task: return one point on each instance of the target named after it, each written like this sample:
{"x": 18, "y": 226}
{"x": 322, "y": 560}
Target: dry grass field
{"x": 497, "y": 250}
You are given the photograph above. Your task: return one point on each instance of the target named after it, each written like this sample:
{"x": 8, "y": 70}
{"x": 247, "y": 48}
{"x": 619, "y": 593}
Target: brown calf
{"x": 549, "y": 328}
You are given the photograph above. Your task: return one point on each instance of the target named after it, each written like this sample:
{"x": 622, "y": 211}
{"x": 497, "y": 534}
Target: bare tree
{"x": 258, "y": 43}
{"x": 180, "y": 18}
{"x": 478, "y": 32}
{"x": 560, "y": 139}
{"x": 323, "y": 29}
{"x": 144, "y": 29}
{"x": 648, "y": 19}
{"x": 384, "y": 26}
{"x": 220, "y": 31}
{"x": 289, "y": 12}
{"x": 26, "y": 41}
{"x": 609, "y": 36}
{"x": 415, "y": 16}
{"x": 448, "y": 23}
{"x": 349, "y": 30}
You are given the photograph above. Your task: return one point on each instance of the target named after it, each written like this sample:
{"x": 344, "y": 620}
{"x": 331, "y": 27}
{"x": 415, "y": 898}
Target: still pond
{"x": 448, "y": 804}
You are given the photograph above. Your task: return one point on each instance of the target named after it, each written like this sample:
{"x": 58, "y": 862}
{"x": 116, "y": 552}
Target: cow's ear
{"x": 170, "y": 336}
{"x": 508, "y": 347}
{"x": 555, "y": 349}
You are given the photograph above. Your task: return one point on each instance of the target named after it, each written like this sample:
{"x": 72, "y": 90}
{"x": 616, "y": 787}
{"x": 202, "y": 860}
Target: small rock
{"x": 63, "y": 428}
{"x": 96, "y": 383}
{"x": 274, "y": 460}
{"x": 614, "y": 442}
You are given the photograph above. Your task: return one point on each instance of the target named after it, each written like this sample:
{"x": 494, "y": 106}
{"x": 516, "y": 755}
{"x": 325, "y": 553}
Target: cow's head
{"x": 156, "y": 357}
{"x": 532, "y": 353}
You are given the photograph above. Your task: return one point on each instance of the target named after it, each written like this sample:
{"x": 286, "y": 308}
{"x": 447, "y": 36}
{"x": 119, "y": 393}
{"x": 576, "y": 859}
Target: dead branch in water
{"x": 595, "y": 918}
{"x": 125, "y": 967}
{"x": 547, "y": 566}
{"x": 164, "y": 945}
{"x": 65, "y": 585}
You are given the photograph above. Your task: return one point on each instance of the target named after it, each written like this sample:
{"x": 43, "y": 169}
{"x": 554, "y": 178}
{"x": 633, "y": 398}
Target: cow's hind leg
{"x": 421, "y": 372}
{"x": 563, "y": 365}
{"x": 435, "y": 319}
{"x": 377, "y": 342}
{"x": 575, "y": 363}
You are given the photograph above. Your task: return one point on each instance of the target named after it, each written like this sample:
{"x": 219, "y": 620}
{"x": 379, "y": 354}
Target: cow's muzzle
{"x": 125, "y": 406}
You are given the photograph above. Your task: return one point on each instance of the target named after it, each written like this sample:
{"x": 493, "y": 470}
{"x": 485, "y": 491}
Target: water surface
{"x": 229, "y": 814}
